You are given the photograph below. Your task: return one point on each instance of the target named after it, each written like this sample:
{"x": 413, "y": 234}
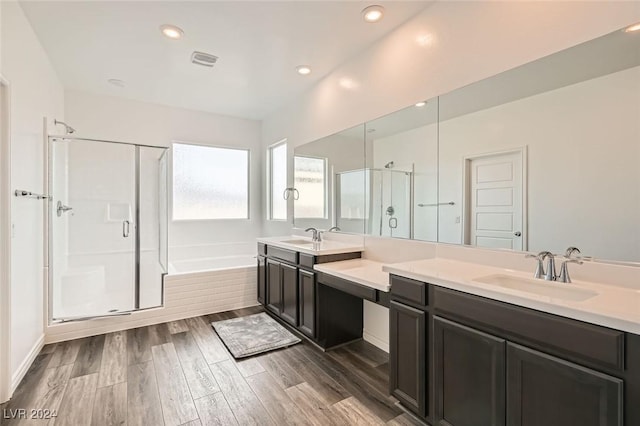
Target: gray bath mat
{"x": 253, "y": 334}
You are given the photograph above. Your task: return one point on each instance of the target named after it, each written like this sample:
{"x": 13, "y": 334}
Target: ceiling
{"x": 259, "y": 44}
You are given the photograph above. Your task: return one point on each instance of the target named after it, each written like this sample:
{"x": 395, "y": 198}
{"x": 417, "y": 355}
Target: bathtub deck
{"x": 180, "y": 373}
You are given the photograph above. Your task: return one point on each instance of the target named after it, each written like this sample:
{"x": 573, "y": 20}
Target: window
{"x": 310, "y": 179}
{"x": 210, "y": 182}
{"x": 277, "y": 181}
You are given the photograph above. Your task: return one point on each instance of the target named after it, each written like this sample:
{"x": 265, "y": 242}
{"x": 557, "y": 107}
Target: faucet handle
{"x": 564, "y": 270}
{"x": 570, "y": 251}
{"x": 540, "y": 266}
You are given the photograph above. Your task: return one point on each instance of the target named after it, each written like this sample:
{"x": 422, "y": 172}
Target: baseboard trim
{"x": 375, "y": 341}
{"x": 17, "y": 377}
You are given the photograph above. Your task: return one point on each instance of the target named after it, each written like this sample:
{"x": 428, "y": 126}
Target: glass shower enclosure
{"x": 107, "y": 228}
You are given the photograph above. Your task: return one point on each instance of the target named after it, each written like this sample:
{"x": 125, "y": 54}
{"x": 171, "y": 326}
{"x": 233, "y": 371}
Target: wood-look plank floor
{"x": 180, "y": 373}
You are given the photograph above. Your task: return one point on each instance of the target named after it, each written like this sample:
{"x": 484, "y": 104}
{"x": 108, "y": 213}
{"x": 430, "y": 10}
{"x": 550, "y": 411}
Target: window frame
{"x": 270, "y": 193}
{"x": 325, "y": 201}
{"x": 205, "y": 145}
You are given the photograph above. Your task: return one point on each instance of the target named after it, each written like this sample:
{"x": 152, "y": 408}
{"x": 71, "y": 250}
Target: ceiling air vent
{"x": 204, "y": 59}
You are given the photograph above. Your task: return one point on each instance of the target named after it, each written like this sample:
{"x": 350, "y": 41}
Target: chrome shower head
{"x": 389, "y": 165}
{"x": 68, "y": 129}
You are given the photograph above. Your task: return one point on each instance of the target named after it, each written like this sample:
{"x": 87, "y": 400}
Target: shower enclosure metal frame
{"x": 49, "y": 221}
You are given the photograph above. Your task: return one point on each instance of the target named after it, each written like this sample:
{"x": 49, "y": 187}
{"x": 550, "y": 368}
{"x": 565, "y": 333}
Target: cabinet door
{"x": 408, "y": 356}
{"x": 546, "y": 391}
{"x": 468, "y": 375}
{"x": 307, "y": 302}
{"x": 274, "y": 287}
{"x": 289, "y": 294}
{"x": 262, "y": 279}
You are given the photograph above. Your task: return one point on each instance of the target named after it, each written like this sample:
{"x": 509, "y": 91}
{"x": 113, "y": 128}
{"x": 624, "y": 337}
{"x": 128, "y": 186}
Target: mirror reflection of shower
{"x": 67, "y": 129}
{"x": 388, "y": 199}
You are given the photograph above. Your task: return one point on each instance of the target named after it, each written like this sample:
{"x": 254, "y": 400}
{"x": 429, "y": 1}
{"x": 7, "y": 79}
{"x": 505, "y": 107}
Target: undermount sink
{"x": 298, "y": 242}
{"x": 555, "y": 290}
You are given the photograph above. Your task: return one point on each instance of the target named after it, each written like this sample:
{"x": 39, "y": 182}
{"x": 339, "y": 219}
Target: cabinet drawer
{"x": 307, "y": 260}
{"x": 283, "y": 254}
{"x": 349, "y": 287}
{"x": 566, "y": 337}
{"x": 408, "y": 289}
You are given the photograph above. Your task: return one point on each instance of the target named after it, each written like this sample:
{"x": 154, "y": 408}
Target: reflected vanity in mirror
{"x": 546, "y": 155}
{"x": 329, "y": 182}
{"x": 540, "y": 157}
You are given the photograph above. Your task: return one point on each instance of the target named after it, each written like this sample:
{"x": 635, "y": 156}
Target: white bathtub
{"x": 212, "y": 264}
{"x": 209, "y": 279}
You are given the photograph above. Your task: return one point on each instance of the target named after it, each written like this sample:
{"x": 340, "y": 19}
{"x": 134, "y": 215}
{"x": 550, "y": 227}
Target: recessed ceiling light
{"x": 421, "y": 104}
{"x": 116, "y": 82}
{"x": 373, "y": 13}
{"x": 171, "y": 31}
{"x": 633, "y": 28}
{"x": 303, "y": 69}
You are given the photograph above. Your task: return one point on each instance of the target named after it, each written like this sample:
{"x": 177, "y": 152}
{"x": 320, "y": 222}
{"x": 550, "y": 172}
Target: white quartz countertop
{"x": 305, "y": 245}
{"x": 362, "y": 271}
{"x": 611, "y": 306}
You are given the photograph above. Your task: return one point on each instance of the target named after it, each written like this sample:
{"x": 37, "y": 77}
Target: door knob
{"x": 517, "y": 233}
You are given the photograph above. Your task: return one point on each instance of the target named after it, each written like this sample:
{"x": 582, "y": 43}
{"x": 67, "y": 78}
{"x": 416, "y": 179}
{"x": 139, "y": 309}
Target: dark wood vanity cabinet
{"x": 291, "y": 292}
{"x": 496, "y": 364}
{"x": 307, "y": 302}
{"x": 289, "y": 277}
{"x": 282, "y": 290}
{"x": 468, "y": 376}
{"x": 273, "y": 301}
{"x": 543, "y": 390}
{"x": 262, "y": 279}
{"x": 408, "y": 356}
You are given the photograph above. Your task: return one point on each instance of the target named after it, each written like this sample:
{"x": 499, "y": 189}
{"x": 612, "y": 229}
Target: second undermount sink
{"x": 555, "y": 290}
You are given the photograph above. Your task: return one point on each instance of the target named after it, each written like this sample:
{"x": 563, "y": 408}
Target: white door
{"x": 495, "y": 201}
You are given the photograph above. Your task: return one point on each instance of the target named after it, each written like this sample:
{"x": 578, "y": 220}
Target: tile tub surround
{"x": 614, "y": 306}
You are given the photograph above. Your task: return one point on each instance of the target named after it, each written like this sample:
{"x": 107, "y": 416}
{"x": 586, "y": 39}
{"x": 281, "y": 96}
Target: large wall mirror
{"x": 329, "y": 182}
{"x": 540, "y": 157}
{"x": 547, "y": 155}
{"x": 402, "y": 173}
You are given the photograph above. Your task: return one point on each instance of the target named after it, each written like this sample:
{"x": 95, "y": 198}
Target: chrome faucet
{"x": 564, "y": 269}
{"x": 551, "y": 266}
{"x": 550, "y": 274}
{"x": 333, "y": 228}
{"x": 317, "y": 235}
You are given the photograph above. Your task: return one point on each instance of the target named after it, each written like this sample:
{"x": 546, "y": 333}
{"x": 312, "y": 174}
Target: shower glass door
{"x": 92, "y": 228}
{"x": 390, "y": 202}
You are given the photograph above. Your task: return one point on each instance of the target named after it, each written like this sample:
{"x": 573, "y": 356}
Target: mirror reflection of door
{"x": 494, "y": 201}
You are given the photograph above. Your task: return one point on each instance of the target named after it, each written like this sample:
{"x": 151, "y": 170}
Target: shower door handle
{"x": 125, "y": 228}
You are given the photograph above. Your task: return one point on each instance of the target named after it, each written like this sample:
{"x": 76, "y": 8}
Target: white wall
{"x": 583, "y": 153}
{"x": 36, "y": 92}
{"x": 447, "y": 46}
{"x": 119, "y": 119}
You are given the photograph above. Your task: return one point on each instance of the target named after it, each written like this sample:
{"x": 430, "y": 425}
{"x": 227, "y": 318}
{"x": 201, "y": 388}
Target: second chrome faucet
{"x": 549, "y": 273}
